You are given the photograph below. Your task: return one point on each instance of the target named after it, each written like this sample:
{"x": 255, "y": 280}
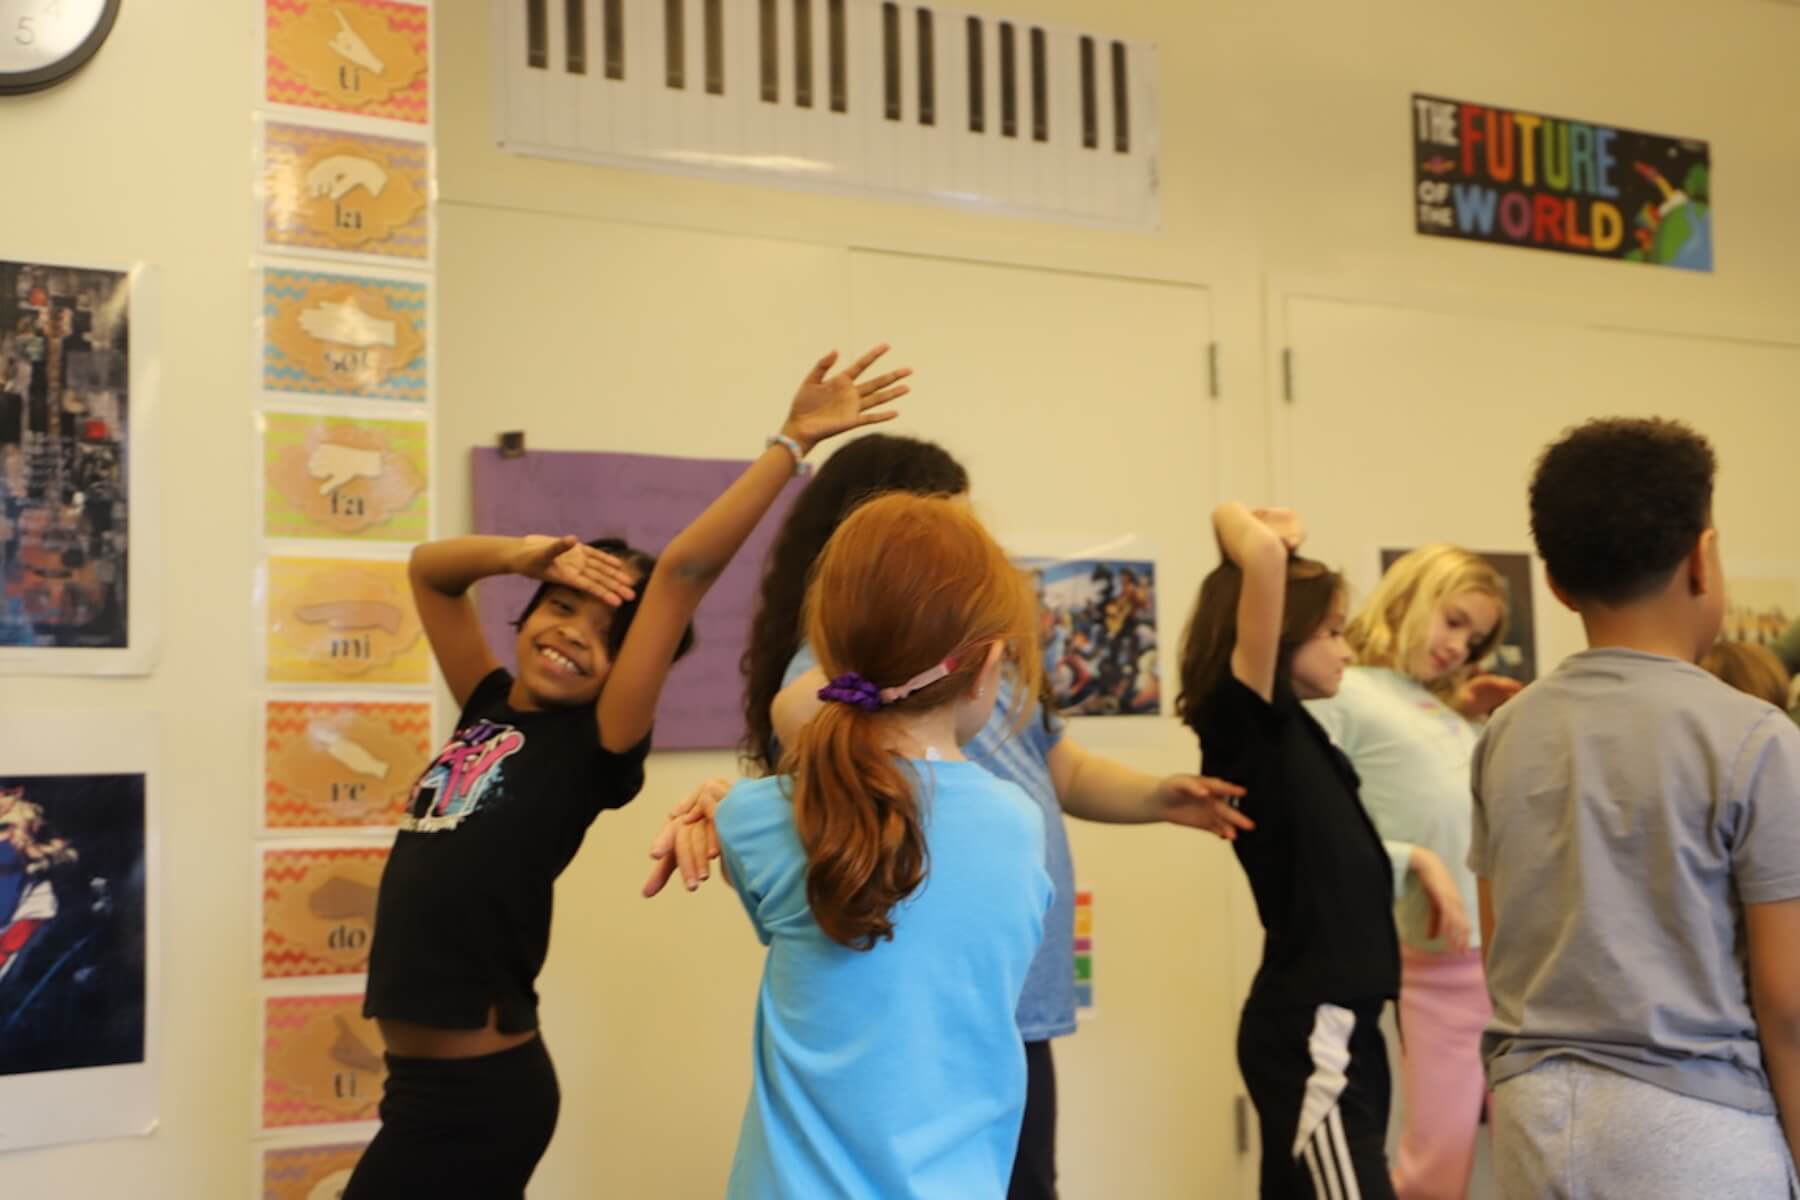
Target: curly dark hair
{"x": 860, "y": 471}
{"x": 1618, "y": 503}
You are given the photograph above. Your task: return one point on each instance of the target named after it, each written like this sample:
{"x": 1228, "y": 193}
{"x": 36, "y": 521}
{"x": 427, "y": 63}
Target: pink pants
{"x": 1443, "y": 1009}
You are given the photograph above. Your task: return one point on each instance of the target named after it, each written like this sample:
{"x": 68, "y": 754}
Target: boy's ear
{"x": 1562, "y": 597}
{"x": 1703, "y": 580}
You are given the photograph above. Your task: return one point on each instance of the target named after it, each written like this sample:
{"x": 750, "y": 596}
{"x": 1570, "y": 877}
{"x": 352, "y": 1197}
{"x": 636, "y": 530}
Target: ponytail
{"x": 857, "y": 813}
{"x": 909, "y": 602}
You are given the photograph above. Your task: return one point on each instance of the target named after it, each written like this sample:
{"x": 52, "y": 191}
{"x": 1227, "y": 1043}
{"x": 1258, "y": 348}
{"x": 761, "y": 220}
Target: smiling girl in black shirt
{"x": 463, "y": 920}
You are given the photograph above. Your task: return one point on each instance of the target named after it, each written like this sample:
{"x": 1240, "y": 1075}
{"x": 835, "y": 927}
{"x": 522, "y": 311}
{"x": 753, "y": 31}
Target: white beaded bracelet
{"x": 801, "y": 466}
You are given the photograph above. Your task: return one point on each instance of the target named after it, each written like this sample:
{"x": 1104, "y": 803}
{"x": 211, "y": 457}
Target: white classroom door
{"x": 1080, "y": 406}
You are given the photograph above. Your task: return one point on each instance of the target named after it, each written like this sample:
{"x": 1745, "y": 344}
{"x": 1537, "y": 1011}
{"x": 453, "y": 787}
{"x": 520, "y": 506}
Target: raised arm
{"x": 442, "y": 573}
{"x": 824, "y": 405}
{"x": 1259, "y": 542}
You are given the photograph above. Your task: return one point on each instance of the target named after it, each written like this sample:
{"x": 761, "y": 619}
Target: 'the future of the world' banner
{"x": 1524, "y": 179}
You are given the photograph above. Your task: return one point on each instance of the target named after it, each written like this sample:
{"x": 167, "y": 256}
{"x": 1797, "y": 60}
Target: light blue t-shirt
{"x": 896, "y": 1071}
{"x": 1047, "y": 1007}
{"x": 1412, "y": 753}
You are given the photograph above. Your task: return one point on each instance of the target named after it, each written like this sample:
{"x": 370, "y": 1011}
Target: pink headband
{"x": 923, "y": 679}
{"x": 853, "y": 689}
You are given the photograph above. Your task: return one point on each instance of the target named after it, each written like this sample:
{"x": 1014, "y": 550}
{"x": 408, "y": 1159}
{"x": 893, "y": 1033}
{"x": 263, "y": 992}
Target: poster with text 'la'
{"x": 1492, "y": 174}
{"x": 645, "y": 499}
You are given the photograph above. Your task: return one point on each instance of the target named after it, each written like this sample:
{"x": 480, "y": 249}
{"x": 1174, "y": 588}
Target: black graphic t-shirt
{"x": 1322, "y": 879}
{"x": 463, "y": 920}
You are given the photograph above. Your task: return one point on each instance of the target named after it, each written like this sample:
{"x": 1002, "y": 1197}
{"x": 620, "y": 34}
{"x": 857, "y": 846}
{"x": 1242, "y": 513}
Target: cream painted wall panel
{"x": 1080, "y": 407}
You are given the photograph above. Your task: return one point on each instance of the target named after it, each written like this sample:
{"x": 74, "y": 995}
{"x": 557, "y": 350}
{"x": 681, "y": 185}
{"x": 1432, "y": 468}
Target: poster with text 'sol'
{"x": 1486, "y": 173}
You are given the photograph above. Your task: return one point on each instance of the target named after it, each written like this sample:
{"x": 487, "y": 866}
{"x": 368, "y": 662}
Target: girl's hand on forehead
{"x": 1284, "y": 523}
{"x": 827, "y": 405}
{"x": 573, "y": 564}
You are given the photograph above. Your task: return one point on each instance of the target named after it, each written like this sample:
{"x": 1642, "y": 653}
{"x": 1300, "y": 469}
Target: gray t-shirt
{"x": 1627, "y": 807}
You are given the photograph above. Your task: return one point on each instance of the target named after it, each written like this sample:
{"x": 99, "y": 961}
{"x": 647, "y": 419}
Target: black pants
{"x": 1034, "y": 1169}
{"x": 1319, "y": 1080}
{"x": 460, "y": 1128}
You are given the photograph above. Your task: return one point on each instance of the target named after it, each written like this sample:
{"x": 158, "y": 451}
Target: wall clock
{"x": 43, "y": 42}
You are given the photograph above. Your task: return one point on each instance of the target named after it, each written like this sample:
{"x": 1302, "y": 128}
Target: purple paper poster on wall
{"x": 646, "y": 499}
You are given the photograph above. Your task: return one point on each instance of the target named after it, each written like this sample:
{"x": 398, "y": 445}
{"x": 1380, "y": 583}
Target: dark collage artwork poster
{"x": 65, "y": 403}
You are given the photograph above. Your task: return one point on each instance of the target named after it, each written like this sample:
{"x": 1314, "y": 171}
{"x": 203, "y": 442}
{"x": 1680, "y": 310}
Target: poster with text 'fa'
{"x": 1502, "y": 175}
{"x": 344, "y": 477}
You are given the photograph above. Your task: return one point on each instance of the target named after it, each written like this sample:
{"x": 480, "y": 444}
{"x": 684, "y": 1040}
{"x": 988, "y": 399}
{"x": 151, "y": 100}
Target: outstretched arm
{"x": 824, "y": 405}
{"x": 1094, "y": 787}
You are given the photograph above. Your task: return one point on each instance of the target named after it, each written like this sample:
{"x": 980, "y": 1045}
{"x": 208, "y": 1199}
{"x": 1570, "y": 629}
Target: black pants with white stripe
{"x": 1319, "y": 1080}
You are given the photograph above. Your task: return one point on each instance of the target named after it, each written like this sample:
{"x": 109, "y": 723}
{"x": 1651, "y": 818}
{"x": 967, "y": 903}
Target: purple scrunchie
{"x": 852, "y": 689}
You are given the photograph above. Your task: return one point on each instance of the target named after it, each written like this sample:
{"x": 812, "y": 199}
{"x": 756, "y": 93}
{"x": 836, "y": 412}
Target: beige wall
{"x": 603, "y": 309}
{"x": 146, "y": 157}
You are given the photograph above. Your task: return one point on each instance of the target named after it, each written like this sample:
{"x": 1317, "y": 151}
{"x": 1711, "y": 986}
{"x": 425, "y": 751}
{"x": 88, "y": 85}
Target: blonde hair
{"x": 1750, "y": 668}
{"x": 1395, "y": 622}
